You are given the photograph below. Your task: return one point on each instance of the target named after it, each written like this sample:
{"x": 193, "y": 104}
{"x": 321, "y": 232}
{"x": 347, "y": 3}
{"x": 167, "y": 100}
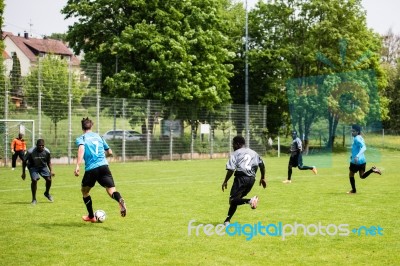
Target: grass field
{"x": 163, "y": 197}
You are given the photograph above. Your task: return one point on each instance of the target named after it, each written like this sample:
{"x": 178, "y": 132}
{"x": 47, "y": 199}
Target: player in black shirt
{"x": 38, "y": 161}
{"x": 296, "y": 158}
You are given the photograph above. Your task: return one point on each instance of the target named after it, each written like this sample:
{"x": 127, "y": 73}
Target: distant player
{"x": 357, "y": 159}
{"x": 38, "y": 162}
{"x": 244, "y": 163}
{"x": 18, "y": 149}
{"x": 296, "y": 158}
{"x": 93, "y": 149}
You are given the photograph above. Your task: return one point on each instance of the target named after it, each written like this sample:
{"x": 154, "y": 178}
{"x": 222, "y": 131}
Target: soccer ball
{"x": 100, "y": 215}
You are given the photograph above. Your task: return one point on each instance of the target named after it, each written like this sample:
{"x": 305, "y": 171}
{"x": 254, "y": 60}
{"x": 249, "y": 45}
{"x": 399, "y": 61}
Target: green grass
{"x": 163, "y": 197}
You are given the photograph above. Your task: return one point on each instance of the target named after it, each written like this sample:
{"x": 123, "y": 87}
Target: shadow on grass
{"x": 76, "y": 224}
{"x": 27, "y": 203}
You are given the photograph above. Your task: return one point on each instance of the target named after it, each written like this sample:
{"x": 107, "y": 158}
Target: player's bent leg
{"x": 117, "y": 196}
{"x": 376, "y": 170}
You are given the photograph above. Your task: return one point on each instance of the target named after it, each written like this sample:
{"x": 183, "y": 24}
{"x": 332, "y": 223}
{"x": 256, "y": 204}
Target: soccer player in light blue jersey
{"x": 93, "y": 150}
{"x": 244, "y": 163}
{"x": 357, "y": 159}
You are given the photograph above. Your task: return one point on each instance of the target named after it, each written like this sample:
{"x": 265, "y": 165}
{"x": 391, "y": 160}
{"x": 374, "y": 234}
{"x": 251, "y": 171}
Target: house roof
{"x": 32, "y": 47}
{"x": 6, "y": 55}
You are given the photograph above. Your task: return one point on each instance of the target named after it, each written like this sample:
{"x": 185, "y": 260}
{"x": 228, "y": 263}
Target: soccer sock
{"x": 240, "y": 201}
{"x": 116, "y": 196}
{"x": 289, "y": 173}
{"x": 88, "y": 203}
{"x": 366, "y": 174}
{"x": 352, "y": 183}
{"x": 231, "y": 212}
{"x": 305, "y": 167}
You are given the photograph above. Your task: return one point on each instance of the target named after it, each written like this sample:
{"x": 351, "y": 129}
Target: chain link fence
{"x": 137, "y": 129}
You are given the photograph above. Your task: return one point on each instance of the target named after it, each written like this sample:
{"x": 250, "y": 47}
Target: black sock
{"x": 240, "y": 201}
{"x": 116, "y": 196}
{"x": 88, "y": 203}
{"x": 231, "y": 212}
{"x": 289, "y": 174}
{"x": 352, "y": 183}
{"x": 366, "y": 174}
{"x": 305, "y": 167}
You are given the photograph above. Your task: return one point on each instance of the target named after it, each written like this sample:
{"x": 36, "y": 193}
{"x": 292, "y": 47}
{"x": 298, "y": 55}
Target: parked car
{"x": 130, "y": 135}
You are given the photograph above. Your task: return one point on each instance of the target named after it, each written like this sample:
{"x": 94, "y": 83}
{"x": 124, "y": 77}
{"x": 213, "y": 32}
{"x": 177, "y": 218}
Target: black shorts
{"x": 296, "y": 160}
{"x": 241, "y": 186}
{"x": 101, "y": 174}
{"x": 357, "y": 167}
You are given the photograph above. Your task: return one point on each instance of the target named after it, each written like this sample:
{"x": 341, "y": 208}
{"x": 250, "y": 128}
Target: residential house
{"x": 29, "y": 50}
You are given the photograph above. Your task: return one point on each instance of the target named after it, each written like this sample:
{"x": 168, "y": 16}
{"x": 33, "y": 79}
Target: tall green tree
{"x": 302, "y": 43}
{"x": 173, "y": 51}
{"x": 51, "y": 79}
{"x": 16, "y": 77}
{"x": 393, "y": 93}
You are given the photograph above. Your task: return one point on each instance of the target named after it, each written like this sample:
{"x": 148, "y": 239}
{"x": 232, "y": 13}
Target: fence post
{"x": 148, "y": 144}
{"x": 211, "y": 142}
{"x": 6, "y": 128}
{"x": 170, "y": 143}
{"x": 69, "y": 113}
{"x": 98, "y": 94}
{"x": 40, "y": 99}
{"x": 279, "y": 147}
{"x": 124, "y": 131}
{"x": 192, "y": 145}
{"x": 148, "y": 135}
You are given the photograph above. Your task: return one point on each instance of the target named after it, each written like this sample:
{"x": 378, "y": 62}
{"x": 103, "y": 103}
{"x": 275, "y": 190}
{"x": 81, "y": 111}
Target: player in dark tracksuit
{"x": 296, "y": 158}
{"x": 244, "y": 163}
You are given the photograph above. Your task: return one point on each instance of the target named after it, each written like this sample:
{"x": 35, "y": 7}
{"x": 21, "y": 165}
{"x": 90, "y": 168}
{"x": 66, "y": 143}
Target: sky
{"x": 43, "y": 17}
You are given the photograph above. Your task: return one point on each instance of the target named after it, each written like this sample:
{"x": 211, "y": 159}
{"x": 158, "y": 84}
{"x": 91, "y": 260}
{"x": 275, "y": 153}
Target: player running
{"x": 244, "y": 163}
{"x": 93, "y": 149}
{"x": 357, "y": 159}
{"x": 296, "y": 158}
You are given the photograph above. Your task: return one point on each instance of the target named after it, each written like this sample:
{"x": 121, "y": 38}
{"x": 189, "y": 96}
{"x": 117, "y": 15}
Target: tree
{"x": 306, "y": 42}
{"x": 58, "y": 36}
{"x": 51, "y": 78}
{"x": 173, "y": 51}
{"x": 393, "y": 93}
{"x": 391, "y": 47}
{"x": 15, "y": 77}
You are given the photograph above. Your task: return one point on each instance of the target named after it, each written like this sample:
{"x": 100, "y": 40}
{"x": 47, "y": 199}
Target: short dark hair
{"x": 86, "y": 123}
{"x": 40, "y": 142}
{"x": 239, "y": 140}
{"x": 356, "y": 128}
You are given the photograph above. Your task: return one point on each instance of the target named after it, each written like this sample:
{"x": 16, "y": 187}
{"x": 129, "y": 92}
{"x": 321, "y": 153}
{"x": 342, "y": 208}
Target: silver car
{"x": 130, "y": 135}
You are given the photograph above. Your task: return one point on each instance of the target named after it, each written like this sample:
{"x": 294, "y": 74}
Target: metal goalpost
{"x": 21, "y": 128}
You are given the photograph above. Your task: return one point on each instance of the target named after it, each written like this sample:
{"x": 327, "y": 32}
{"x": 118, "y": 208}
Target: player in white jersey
{"x": 244, "y": 163}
